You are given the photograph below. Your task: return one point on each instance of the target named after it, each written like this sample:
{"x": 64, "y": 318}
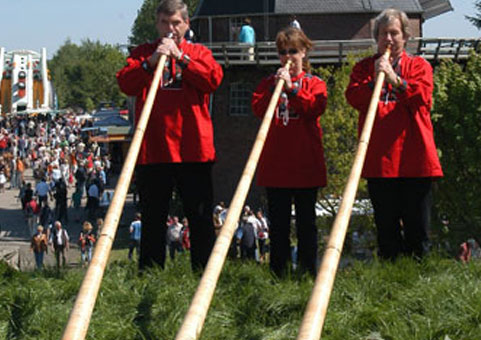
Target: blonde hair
{"x": 87, "y": 226}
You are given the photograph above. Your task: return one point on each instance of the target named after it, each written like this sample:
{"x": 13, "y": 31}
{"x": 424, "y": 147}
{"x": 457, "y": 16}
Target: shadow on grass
{"x": 144, "y": 313}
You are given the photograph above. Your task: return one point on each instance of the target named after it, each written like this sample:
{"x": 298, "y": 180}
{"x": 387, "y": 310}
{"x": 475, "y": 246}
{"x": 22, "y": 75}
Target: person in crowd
{"x": 100, "y": 223}
{"x": 292, "y": 172}
{"x": 59, "y": 240}
{"x": 27, "y": 195}
{"x": 250, "y": 226}
{"x": 42, "y": 190}
{"x": 294, "y": 23}
{"x": 93, "y": 194}
{"x": 39, "y": 246}
{"x": 185, "y": 234}
{"x": 60, "y": 195}
{"x": 247, "y": 36}
{"x": 174, "y": 237}
{"x": 218, "y": 221}
{"x": 3, "y": 180}
{"x": 262, "y": 235}
{"x": 86, "y": 242}
{"x": 80, "y": 178}
{"x": 135, "y": 232}
{"x": 31, "y": 212}
{"x": 401, "y": 161}
{"x": 178, "y": 146}
{"x": 77, "y": 205}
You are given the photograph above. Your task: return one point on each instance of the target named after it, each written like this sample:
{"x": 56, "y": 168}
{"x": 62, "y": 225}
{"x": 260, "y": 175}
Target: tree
{"x": 85, "y": 75}
{"x": 340, "y": 134}
{"x": 144, "y": 29}
{"x": 457, "y": 123}
{"x": 476, "y": 20}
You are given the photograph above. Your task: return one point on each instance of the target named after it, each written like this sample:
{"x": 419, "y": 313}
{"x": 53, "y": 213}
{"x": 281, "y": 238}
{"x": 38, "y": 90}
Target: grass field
{"x": 436, "y": 299}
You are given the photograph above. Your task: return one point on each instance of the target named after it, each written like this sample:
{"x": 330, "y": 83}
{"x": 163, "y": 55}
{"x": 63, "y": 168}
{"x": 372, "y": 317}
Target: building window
{"x": 240, "y": 99}
{"x": 235, "y": 25}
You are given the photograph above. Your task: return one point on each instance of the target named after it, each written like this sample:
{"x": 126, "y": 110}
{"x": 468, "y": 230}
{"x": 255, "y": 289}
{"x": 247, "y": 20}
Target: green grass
{"x": 436, "y": 299}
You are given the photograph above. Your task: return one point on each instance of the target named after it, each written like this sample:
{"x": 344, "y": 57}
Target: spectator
{"x": 294, "y": 23}
{"x": 59, "y": 240}
{"x": 263, "y": 235}
{"x": 247, "y": 36}
{"x": 39, "y": 246}
{"x": 42, "y": 190}
{"x": 250, "y": 226}
{"x": 135, "y": 232}
{"x": 61, "y": 200}
{"x": 93, "y": 200}
{"x": 174, "y": 237}
{"x": 86, "y": 243}
{"x": 185, "y": 234}
{"x": 31, "y": 215}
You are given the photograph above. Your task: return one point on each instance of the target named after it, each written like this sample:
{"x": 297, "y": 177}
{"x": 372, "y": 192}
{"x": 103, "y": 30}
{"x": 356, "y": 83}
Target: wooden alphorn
{"x": 81, "y": 313}
{"x": 315, "y": 314}
{"x": 195, "y": 317}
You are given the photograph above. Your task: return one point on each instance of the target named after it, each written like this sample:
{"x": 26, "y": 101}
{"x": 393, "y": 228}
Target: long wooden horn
{"x": 81, "y": 313}
{"x": 194, "y": 320}
{"x": 316, "y": 309}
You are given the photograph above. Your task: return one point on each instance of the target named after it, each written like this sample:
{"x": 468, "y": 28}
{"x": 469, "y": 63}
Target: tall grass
{"x": 435, "y": 299}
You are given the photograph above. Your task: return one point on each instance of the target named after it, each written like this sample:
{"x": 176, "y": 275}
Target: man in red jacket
{"x": 178, "y": 146}
{"x": 401, "y": 160}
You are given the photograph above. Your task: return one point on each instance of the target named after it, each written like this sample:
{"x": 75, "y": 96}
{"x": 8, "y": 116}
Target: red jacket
{"x": 180, "y": 128}
{"x": 402, "y": 142}
{"x": 293, "y": 155}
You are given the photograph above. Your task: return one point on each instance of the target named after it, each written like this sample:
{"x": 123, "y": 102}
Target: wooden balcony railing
{"x": 336, "y": 51}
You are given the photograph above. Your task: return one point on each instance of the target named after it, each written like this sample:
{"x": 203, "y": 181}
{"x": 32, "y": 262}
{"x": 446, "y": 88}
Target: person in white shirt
{"x": 174, "y": 237}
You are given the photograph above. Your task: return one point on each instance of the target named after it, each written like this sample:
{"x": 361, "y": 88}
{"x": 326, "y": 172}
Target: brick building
{"x": 217, "y": 22}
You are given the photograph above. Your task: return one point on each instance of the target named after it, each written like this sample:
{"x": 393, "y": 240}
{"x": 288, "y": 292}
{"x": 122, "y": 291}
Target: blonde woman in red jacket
{"x": 292, "y": 166}
{"x": 401, "y": 160}
{"x": 178, "y": 146}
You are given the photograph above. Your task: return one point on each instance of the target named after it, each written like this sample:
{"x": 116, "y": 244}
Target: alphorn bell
{"x": 81, "y": 313}
{"x": 195, "y": 317}
{"x": 315, "y": 314}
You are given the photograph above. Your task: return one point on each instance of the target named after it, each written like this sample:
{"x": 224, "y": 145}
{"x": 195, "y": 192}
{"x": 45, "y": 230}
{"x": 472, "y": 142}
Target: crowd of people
{"x": 60, "y": 155}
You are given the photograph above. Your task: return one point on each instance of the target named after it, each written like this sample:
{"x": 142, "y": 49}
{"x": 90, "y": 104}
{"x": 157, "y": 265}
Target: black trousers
{"x": 279, "y": 205}
{"x": 155, "y": 184}
{"x": 402, "y": 211}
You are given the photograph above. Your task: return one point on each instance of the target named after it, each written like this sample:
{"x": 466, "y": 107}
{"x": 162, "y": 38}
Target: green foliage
{"x": 398, "y": 301}
{"x": 144, "y": 29}
{"x": 476, "y": 20}
{"x": 85, "y": 75}
{"x": 457, "y": 123}
{"x": 340, "y": 135}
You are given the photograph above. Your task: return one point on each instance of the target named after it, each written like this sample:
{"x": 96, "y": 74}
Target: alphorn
{"x": 195, "y": 317}
{"x": 81, "y": 313}
{"x": 315, "y": 314}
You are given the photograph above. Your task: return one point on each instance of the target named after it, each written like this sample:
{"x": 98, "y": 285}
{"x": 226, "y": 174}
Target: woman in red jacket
{"x": 401, "y": 159}
{"x": 292, "y": 166}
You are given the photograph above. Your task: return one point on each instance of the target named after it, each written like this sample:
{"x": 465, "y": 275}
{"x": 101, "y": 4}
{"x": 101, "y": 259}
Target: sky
{"x": 33, "y": 24}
